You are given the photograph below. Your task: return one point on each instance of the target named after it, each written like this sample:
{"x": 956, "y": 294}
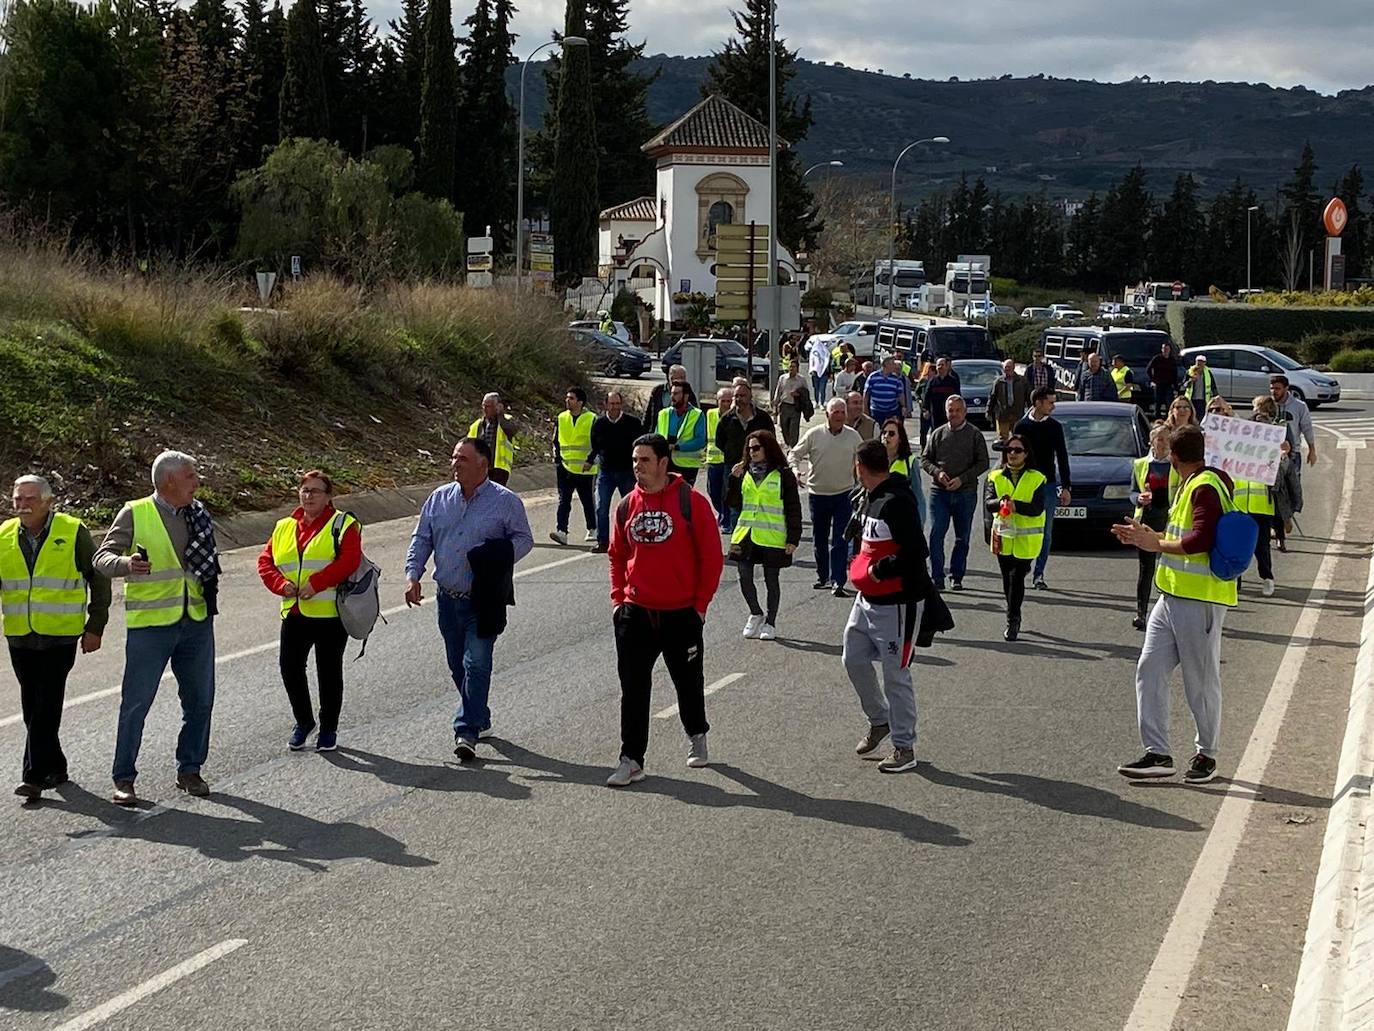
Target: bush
{"x": 1361, "y": 298}
{"x": 1194, "y": 325}
{"x": 1021, "y": 343}
{"x": 1354, "y": 361}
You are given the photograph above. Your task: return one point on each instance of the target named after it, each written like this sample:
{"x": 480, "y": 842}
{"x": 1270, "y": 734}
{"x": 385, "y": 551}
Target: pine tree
{"x": 739, "y": 73}
{"x": 1355, "y": 238}
{"x": 1178, "y": 238}
{"x": 1082, "y": 242}
{"x": 1301, "y": 200}
{"x": 1123, "y": 233}
{"x": 573, "y": 209}
{"x": 304, "y": 109}
{"x": 434, "y": 174}
{"x": 400, "y": 71}
{"x": 263, "y": 62}
{"x": 486, "y": 122}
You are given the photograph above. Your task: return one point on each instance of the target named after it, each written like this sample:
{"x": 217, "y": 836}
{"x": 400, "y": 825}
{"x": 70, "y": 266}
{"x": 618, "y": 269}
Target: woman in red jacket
{"x": 310, "y": 553}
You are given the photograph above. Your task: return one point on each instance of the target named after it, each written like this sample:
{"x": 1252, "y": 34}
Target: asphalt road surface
{"x": 1012, "y": 881}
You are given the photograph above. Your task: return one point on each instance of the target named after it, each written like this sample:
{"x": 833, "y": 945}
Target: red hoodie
{"x": 659, "y": 563}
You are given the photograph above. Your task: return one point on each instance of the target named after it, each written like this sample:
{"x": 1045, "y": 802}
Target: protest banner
{"x": 1244, "y": 450}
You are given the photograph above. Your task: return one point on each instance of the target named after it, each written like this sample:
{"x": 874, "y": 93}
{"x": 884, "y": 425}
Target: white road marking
{"x": 1162, "y": 992}
{"x": 711, "y": 689}
{"x": 139, "y": 992}
{"x": 258, "y": 649}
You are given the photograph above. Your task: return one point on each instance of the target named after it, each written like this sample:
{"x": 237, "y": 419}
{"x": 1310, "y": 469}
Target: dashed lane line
{"x": 711, "y": 689}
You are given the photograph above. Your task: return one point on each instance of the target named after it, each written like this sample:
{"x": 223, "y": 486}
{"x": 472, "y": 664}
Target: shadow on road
{"x": 1060, "y": 795}
{"x": 269, "y": 833}
{"x": 484, "y": 778}
{"x": 24, "y": 981}
{"x": 766, "y": 796}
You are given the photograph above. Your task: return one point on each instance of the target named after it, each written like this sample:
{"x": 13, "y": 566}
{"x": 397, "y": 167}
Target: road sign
{"x": 1177, "y": 288}
{"x": 1335, "y": 217}
{"x": 741, "y": 265}
{"x": 784, "y": 300}
{"x": 266, "y": 281}
{"x": 480, "y": 280}
{"x": 479, "y": 263}
{"x": 295, "y": 266}
{"x": 480, "y": 245}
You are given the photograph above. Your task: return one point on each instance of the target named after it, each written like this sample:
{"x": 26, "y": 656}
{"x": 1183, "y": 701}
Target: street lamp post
{"x": 823, "y": 164}
{"x": 773, "y": 350}
{"x": 566, "y": 41}
{"x": 1248, "y": 212}
{"x": 892, "y": 222}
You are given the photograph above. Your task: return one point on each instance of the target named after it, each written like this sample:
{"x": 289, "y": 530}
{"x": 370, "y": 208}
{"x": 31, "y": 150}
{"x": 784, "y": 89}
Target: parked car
{"x": 909, "y": 340}
{"x": 1104, "y": 439}
{"x": 1059, "y": 306}
{"x": 979, "y": 308}
{"x": 731, "y": 360}
{"x": 612, "y": 356}
{"x": 1037, "y": 313}
{"x": 1114, "y": 312}
{"x": 1068, "y": 315}
{"x": 975, "y": 386}
{"x": 1003, "y": 309}
{"x": 861, "y": 334}
{"x": 621, "y": 333}
{"x": 1066, "y": 348}
{"x": 1242, "y": 373}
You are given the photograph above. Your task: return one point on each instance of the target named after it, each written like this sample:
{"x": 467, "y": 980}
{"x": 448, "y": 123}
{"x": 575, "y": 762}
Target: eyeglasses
{"x": 1013, "y": 451}
{"x": 310, "y": 491}
{"x": 890, "y": 435}
{"x": 754, "y": 447}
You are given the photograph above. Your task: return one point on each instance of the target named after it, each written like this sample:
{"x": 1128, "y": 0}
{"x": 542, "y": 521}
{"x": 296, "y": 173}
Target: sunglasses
{"x": 890, "y": 435}
{"x": 1013, "y": 451}
{"x": 754, "y": 447}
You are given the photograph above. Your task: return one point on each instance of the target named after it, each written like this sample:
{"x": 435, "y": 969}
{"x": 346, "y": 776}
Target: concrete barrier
{"x": 1355, "y": 386}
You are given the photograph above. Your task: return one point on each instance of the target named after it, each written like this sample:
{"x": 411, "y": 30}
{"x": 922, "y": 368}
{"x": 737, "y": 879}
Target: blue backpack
{"x": 1234, "y": 547}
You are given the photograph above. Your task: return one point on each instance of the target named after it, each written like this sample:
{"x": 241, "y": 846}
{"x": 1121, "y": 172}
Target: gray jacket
{"x": 961, "y": 453}
{"x": 1299, "y": 419}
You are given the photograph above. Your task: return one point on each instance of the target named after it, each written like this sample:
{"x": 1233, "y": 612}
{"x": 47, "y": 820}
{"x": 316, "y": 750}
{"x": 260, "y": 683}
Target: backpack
{"x": 684, "y": 498}
{"x": 1234, "y": 546}
{"x": 358, "y": 597}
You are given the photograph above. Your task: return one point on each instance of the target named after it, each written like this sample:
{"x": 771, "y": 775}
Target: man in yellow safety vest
{"x": 164, "y": 546}
{"x": 574, "y": 465}
{"x": 1184, "y": 628}
{"x": 498, "y": 430}
{"x": 1122, "y": 379}
{"x": 46, "y": 571}
{"x": 684, "y": 427}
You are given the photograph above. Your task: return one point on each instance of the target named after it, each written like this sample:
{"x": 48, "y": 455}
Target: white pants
{"x": 1187, "y": 633}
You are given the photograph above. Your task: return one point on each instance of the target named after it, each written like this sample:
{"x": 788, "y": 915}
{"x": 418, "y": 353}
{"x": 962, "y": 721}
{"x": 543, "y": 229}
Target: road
{"x": 1012, "y": 881}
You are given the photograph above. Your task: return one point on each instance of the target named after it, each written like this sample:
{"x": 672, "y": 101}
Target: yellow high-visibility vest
{"x": 1123, "y": 389}
{"x": 504, "y": 458}
{"x": 685, "y": 429}
{"x": 762, "y": 518}
{"x": 575, "y": 441}
{"x": 1253, "y": 497}
{"x": 1190, "y": 576}
{"x": 299, "y": 568}
{"x": 1021, "y": 535}
{"x": 51, "y": 600}
{"x": 714, "y": 455}
{"x": 168, "y": 592}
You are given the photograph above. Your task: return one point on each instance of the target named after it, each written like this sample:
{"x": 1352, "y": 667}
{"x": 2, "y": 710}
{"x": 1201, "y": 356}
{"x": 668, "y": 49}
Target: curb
{"x": 1334, "y": 990}
{"x": 245, "y": 529}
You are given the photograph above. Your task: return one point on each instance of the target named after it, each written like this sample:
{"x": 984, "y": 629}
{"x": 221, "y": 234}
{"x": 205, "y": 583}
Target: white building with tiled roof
{"x": 712, "y": 169}
{"x": 622, "y": 228}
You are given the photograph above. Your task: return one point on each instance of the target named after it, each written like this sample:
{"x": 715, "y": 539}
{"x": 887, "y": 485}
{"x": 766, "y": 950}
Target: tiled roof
{"x": 641, "y": 209}
{"x": 714, "y": 124}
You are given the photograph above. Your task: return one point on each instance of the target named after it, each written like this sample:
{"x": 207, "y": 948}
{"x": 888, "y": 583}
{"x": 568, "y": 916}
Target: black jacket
{"x": 493, "y": 584}
{"x": 893, "y": 503}
{"x": 731, "y": 433}
{"x": 613, "y": 443}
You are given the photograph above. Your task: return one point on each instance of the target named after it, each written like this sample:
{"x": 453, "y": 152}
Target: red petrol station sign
{"x": 1335, "y": 217}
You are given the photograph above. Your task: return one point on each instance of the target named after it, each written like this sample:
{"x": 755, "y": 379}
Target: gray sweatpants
{"x": 1187, "y": 633}
{"x": 875, "y": 633}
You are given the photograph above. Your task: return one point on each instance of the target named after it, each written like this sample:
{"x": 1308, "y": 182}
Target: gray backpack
{"x": 359, "y": 597}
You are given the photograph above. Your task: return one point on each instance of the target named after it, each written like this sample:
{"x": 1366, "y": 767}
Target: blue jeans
{"x": 947, "y": 505}
{"x": 190, "y": 648}
{"x": 1051, "y": 500}
{"x": 469, "y": 661}
{"x": 818, "y": 388}
{"x": 716, "y": 478}
{"x": 607, "y": 483}
{"x": 829, "y": 516}
{"x": 918, "y": 488}
{"x": 567, "y": 484}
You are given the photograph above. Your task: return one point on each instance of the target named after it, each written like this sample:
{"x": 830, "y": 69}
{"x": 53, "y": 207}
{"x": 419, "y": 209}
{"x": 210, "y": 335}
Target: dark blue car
{"x": 1104, "y": 439}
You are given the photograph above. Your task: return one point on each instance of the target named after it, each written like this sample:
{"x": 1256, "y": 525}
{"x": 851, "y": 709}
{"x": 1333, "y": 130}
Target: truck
{"x": 1154, "y": 297}
{"x": 906, "y": 279}
{"x": 965, "y": 281}
{"x": 930, "y": 299}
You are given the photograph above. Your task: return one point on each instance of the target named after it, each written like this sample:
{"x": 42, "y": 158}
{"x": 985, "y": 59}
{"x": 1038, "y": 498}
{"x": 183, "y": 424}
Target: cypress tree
{"x": 573, "y": 209}
{"x": 304, "y": 109}
{"x": 434, "y": 174}
{"x": 486, "y": 122}
{"x": 400, "y": 71}
{"x": 1355, "y": 239}
{"x": 1301, "y": 199}
{"x": 263, "y": 59}
{"x": 739, "y": 73}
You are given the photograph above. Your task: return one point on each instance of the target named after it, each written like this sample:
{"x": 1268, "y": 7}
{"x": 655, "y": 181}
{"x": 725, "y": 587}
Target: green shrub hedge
{"x": 1354, "y": 361}
{"x": 1194, "y": 325}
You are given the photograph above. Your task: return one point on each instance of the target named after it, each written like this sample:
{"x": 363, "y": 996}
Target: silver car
{"x": 1242, "y": 373}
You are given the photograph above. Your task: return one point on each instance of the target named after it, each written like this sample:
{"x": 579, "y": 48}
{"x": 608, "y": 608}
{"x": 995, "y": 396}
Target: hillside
{"x": 1071, "y": 136}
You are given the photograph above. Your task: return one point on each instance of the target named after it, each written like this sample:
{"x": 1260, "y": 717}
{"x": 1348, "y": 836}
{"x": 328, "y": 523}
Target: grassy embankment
{"x": 101, "y": 369}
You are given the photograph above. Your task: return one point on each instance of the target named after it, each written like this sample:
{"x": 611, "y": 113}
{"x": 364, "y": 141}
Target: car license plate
{"x": 1076, "y": 512}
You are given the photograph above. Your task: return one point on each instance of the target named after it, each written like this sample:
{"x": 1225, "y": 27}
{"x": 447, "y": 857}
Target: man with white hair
{"x": 829, "y": 449}
{"x": 53, "y": 601}
{"x": 498, "y": 430}
{"x": 164, "y": 545}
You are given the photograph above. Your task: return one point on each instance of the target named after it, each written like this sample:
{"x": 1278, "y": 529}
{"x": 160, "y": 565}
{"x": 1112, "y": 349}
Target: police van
{"x": 909, "y": 340}
{"x": 1066, "y": 350}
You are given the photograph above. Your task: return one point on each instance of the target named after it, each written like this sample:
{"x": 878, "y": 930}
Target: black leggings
{"x": 1014, "y": 572}
{"x": 1262, "y": 555}
{"x": 751, "y": 594}
{"x": 1145, "y": 579}
{"x": 328, "y": 637}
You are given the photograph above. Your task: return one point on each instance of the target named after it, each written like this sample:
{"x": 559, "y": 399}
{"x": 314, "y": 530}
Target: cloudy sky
{"x": 1324, "y": 45}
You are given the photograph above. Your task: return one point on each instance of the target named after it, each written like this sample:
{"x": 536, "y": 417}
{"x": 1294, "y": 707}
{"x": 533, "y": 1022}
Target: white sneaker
{"x": 696, "y": 751}
{"x": 591, "y": 536}
{"x": 768, "y": 633}
{"x": 559, "y": 537}
{"x": 751, "y": 627}
{"x": 627, "y": 773}
{"x": 1267, "y": 588}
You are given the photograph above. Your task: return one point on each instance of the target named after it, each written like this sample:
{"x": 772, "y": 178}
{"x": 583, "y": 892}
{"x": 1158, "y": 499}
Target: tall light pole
{"x": 566, "y": 41}
{"x": 1248, "y": 212}
{"x": 774, "y": 355}
{"x": 823, "y": 164}
{"x": 892, "y": 221}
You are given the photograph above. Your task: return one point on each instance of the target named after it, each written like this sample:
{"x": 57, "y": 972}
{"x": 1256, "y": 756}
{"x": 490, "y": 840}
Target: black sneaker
{"x": 821, "y": 585}
{"x": 1148, "y": 766}
{"x": 839, "y": 591}
{"x": 1040, "y": 584}
{"x": 1138, "y": 622}
{"x": 1013, "y": 630}
{"x": 1200, "y": 770}
{"x": 956, "y": 585}
{"x": 939, "y": 585}
{"x": 464, "y": 749}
